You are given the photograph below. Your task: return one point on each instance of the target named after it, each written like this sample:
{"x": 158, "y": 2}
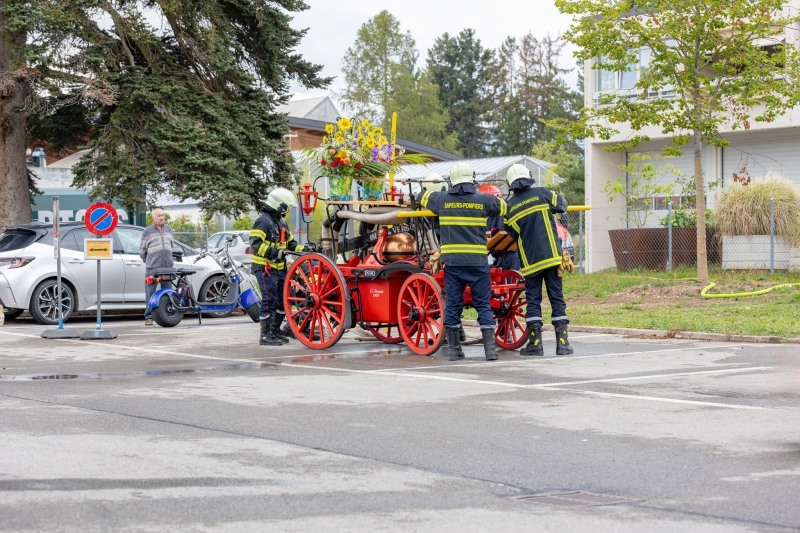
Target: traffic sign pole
{"x": 100, "y": 219}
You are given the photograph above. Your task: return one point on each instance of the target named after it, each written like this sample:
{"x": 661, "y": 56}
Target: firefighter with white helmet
{"x": 462, "y": 214}
{"x": 530, "y": 221}
{"x": 270, "y": 239}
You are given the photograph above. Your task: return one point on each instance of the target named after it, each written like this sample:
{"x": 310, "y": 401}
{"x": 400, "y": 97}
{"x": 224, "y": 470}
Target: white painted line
{"x": 653, "y": 376}
{"x": 665, "y": 400}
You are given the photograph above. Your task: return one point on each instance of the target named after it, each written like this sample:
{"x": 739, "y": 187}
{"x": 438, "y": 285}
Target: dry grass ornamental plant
{"x": 744, "y": 209}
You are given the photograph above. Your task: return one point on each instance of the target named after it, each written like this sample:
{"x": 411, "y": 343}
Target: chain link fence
{"x": 667, "y": 239}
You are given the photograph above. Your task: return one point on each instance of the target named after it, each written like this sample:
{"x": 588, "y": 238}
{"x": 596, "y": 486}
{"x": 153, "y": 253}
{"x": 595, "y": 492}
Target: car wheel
{"x": 11, "y": 314}
{"x": 215, "y": 290}
{"x": 166, "y": 314}
{"x": 44, "y": 302}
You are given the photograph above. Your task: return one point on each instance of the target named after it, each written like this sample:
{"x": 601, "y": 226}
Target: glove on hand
{"x": 310, "y": 247}
{"x": 281, "y": 255}
{"x": 566, "y": 264}
{"x": 272, "y": 253}
{"x": 436, "y": 262}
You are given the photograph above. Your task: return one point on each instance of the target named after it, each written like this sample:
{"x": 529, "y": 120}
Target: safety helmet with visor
{"x": 281, "y": 200}
{"x": 518, "y": 172}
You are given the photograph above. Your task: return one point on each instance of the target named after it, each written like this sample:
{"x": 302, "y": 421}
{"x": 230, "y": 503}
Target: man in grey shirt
{"x": 156, "y": 252}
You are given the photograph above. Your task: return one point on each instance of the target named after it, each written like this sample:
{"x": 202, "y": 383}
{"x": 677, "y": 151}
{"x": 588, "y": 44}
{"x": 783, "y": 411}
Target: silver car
{"x": 28, "y": 272}
{"x": 239, "y": 249}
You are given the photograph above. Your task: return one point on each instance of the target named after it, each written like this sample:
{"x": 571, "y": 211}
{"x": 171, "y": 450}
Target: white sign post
{"x": 61, "y": 332}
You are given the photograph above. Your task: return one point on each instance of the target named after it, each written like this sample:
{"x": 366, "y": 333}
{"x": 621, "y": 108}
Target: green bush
{"x": 744, "y": 209}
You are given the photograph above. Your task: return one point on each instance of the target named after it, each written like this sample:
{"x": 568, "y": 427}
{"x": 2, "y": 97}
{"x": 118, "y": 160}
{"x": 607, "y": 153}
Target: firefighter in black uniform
{"x": 270, "y": 239}
{"x": 462, "y": 214}
{"x": 530, "y": 221}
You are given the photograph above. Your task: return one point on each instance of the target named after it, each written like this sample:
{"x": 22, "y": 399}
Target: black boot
{"x": 454, "y": 351}
{"x": 286, "y": 331}
{"x": 462, "y": 336}
{"x": 534, "y": 346}
{"x": 562, "y": 341}
{"x": 276, "y": 329}
{"x": 489, "y": 347}
{"x": 266, "y": 337}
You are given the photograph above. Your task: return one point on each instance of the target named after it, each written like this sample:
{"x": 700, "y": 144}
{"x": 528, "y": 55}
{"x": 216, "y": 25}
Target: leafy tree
{"x": 707, "y": 52}
{"x": 421, "y": 116}
{"x": 460, "y": 67}
{"x": 184, "y": 105}
{"x": 243, "y": 223}
{"x": 569, "y": 165}
{"x": 379, "y": 56}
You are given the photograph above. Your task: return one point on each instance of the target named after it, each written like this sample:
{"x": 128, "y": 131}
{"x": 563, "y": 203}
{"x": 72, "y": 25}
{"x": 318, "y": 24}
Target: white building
{"x": 763, "y": 147}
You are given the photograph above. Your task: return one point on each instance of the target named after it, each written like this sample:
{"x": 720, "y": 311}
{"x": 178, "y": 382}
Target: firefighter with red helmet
{"x": 506, "y": 259}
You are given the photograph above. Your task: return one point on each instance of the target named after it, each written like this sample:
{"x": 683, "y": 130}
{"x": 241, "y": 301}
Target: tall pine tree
{"x": 459, "y": 66}
{"x": 172, "y": 97}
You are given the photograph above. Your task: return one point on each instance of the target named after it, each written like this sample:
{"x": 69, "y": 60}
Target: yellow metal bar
{"x": 393, "y": 140}
{"x": 414, "y": 214}
{"x": 428, "y": 213}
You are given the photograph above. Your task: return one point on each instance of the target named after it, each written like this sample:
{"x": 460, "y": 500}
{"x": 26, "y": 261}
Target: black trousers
{"x": 555, "y": 292}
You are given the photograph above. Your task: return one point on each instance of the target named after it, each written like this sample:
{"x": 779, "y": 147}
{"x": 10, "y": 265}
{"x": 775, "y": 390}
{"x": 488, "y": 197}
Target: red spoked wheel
{"x": 508, "y": 303}
{"x": 420, "y": 314}
{"x": 316, "y": 301}
{"x": 388, "y": 333}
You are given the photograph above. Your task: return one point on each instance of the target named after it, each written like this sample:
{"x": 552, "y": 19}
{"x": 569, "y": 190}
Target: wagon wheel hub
{"x": 312, "y": 301}
{"x": 418, "y": 314}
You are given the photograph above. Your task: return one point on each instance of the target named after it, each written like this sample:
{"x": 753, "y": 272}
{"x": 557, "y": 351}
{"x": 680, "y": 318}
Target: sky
{"x": 332, "y": 26}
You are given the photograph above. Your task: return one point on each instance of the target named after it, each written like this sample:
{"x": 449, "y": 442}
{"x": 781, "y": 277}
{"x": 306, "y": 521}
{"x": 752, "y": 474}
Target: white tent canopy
{"x": 488, "y": 169}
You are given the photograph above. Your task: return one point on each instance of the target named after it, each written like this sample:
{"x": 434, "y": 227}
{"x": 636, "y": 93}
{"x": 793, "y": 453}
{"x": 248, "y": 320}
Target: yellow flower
{"x": 378, "y": 132}
{"x": 328, "y": 128}
{"x": 342, "y": 154}
{"x": 370, "y": 143}
{"x": 340, "y": 139}
{"x": 384, "y": 140}
{"x": 364, "y": 123}
{"x": 324, "y": 139}
{"x": 345, "y": 123}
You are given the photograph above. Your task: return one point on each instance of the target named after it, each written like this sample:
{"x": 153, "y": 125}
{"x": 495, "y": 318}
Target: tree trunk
{"x": 15, "y": 200}
{"x": 700, "y": 205}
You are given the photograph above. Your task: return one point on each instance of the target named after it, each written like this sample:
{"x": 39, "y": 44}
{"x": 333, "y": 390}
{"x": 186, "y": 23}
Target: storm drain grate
{"x": 576, "y": 498}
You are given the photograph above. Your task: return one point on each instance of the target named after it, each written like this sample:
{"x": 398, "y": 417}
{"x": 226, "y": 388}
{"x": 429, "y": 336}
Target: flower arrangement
{"x": 358, "y": 149}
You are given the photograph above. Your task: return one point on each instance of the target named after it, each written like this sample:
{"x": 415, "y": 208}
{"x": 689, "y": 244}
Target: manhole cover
{"x": 576, "y": 498}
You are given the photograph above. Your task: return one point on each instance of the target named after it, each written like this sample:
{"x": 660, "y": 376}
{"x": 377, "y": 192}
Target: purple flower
{"x": 374, "y": 153}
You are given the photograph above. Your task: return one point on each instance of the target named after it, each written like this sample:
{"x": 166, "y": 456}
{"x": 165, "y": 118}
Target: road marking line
{"x": 664, "y": 375}
{"x": 666, "y": 400}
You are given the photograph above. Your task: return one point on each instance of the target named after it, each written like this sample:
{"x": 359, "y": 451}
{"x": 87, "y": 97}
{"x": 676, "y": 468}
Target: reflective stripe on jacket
{"x": 266, "y": 235}
{"x": 530, "y": 220}
{"x": 462, "y": 222}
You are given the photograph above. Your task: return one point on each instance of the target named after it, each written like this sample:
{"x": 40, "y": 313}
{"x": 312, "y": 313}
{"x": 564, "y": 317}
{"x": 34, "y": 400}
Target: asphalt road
{"x": 198, "y": 428}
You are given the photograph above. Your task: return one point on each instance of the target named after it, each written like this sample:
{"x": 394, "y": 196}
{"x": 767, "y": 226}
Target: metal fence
{"x": 667, "y": 239}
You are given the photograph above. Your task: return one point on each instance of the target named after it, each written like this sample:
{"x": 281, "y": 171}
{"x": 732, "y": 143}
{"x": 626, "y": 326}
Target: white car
{"x": 239, "y": 249}
{"x": 28, "y": 272}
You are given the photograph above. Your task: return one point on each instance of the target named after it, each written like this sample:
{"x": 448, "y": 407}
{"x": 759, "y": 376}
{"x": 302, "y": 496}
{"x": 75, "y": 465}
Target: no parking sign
{"x": 101, "y": 218}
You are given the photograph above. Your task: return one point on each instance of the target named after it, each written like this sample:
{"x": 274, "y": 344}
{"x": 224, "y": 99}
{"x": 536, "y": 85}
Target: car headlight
{"x": 15, "y": 262}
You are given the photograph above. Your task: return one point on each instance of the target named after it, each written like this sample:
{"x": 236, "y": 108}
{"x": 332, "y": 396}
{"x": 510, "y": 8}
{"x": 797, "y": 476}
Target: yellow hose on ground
{"x": 704, "y": 292}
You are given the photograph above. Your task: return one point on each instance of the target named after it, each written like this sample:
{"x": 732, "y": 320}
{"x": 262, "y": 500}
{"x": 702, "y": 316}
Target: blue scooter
{"x": 168, "y": 305}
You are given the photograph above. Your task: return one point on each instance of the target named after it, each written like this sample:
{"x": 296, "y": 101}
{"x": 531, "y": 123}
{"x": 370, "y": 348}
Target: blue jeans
{"x": 456, "y": 279}
{"x": 150, "y": 290}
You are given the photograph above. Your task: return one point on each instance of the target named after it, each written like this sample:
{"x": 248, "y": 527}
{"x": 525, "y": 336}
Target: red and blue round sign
{"x": 101, "y": 218}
